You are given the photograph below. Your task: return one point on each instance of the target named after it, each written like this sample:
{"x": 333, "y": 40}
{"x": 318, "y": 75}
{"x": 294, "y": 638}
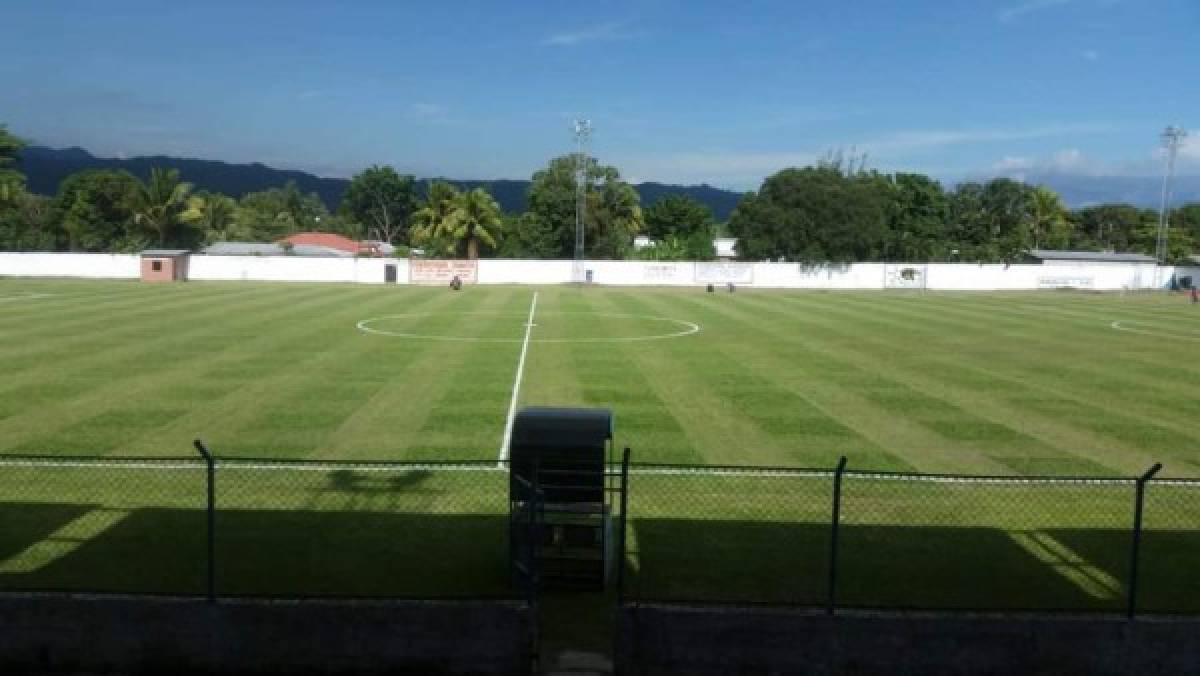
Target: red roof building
{"x": 332, "y": 241}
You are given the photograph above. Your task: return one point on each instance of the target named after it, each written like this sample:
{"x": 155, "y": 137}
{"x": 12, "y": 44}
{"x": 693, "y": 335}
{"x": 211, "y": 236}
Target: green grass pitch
{"x": 1049, "y": 383}
{"x": 1018, "y": 383}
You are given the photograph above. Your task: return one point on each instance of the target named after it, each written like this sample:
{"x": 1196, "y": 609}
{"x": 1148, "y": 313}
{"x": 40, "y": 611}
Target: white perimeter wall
{"x": 939, "y": 276}
{"x": 293, "y": 269}
{"x": 106, "y": 266}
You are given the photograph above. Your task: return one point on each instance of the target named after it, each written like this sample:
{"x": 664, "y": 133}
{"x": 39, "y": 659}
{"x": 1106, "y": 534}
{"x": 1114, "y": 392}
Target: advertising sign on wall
{"x": 720, "y": 273}
{"x": 442, "y": 271}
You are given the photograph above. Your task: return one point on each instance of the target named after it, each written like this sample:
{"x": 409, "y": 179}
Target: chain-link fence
{"x": 692, "y": 534}
{"x": 278, "y": 529}
{"x": 875, "y": 540}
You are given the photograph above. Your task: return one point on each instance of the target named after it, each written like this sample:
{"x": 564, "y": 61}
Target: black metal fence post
{"x": 622, "y": 525}
{"x": 210, "y": 462}
{"x": 1135, "y": 554}
{"x": 835, "y": 526}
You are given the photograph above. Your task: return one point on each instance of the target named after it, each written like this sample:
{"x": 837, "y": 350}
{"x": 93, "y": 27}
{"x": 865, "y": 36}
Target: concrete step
{"x": 577, "y": 663}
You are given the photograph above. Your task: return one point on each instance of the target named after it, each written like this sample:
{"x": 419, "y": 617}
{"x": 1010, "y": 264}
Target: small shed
{"x": 164, "y": 265}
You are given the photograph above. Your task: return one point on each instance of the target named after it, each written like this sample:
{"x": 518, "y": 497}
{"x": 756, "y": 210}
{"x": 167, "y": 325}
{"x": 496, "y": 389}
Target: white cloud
{"x": 603, "y": 32}
{"x": 931, "y": 139}
{"x": 1013, "y": 12}
{"x": 742, "y": 171}
{"x": 1190, "y": 149}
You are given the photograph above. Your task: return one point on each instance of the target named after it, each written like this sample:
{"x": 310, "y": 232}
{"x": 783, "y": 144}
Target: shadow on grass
{"x": 23, "y": 524}
{"x": 909, "y": 567}
{"x": 259, "y": 552}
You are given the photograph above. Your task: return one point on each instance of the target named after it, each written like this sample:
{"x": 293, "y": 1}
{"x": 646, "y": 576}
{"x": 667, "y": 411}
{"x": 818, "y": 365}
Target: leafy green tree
{"x": 815, "y": 214}
{"x": 382, "y": 202}
{"x": 272, "y": 214}
{"x": 992, "y": 222}
{"x": 1187, "y": 219}
{"x": 29, "y": 222}
{"x": 527, "y": 236}
{"x": 11, "y": 180}
{"x": 918, "y": 220}
{"x": 1111, "y": 227}
{"x": 669, "y": 248}
{"x": 677, "y": 215}
{"x": 96, "y": 207}
{"x": 688, "y": 222}
{"x": 472, "y": 220}
{"x": 612, "y": 215}
{"x": 158, "y": 204}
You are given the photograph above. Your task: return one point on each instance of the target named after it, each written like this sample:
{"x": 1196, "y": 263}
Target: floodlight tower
{"x": 1172, "y": 138}
{"x": 583, "y": 134}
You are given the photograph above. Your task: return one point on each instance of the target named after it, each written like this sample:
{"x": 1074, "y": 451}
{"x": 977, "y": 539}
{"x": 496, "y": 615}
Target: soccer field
{"x": 985, "y": 384}
{"x": 1043, "y": 383}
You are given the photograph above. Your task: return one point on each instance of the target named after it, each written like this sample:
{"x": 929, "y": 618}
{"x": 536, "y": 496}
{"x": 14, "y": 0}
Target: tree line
{"x": 832, "y": 212}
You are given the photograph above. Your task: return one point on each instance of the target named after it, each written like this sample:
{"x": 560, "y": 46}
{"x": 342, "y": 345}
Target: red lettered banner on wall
{"x": 441, "y": 272}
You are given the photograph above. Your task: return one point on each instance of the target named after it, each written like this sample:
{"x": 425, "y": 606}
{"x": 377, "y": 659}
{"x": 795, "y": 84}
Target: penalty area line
{"x": 516, "y": 390}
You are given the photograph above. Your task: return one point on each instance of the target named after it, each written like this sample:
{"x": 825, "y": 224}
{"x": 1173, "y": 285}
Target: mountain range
{"x": 47, "y": 167}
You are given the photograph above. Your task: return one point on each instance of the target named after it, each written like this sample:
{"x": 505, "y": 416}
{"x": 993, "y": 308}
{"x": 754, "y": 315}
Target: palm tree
{"x": 428, "y": 219}
{"x": 158, "y": 203}
{"x": 474, "y": 219}
{"x": 215, "y": 215}
{"x": 1049, "y": 217}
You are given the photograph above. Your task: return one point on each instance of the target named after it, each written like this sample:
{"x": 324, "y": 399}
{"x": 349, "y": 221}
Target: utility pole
{"x": 1172, "y": 138}
{"x": 583, "y": 134}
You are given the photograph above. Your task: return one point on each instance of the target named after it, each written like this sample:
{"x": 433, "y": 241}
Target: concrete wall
{"x": 110, "y": 266}
{"x": 934, "y": 276}
{"x": 294, "y": 269}
{"x": 680, "y": 640}
{"x": 55, "y": 634}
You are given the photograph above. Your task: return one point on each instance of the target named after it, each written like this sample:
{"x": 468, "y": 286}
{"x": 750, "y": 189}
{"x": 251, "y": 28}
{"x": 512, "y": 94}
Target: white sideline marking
{"x": 516, "y": 392}
{"x": 400, "y": 466}
{"x": 25, "y": 295}
{"x": 1160, "y": 334}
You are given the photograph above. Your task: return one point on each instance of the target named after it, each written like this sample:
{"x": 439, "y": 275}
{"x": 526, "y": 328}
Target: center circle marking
{"x": 686, "y": 328}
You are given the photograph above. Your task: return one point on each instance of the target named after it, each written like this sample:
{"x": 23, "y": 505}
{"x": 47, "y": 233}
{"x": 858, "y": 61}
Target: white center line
{"x": 516, "y": 391}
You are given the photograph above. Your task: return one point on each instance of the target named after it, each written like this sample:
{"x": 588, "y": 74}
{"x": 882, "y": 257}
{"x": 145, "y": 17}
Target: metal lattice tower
{"x": 583, "y": 134}
{"x": 1172, "y": 138}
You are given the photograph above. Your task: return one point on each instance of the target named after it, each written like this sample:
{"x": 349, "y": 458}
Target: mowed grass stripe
{"x": 68, "y": 426}
{"x": 551, "y": 378}
{"x": 745, "y": 370}
{"x": 888, "y": 412}
{"x": 306, "y": 396}
{"x": 1075, "y": 451}
{"x": 1093, "y": 330}
{"x": 703, "y": 428}
{"x": 1058, "y": 354}
{"x": 100, "y": 382}
{"x": 1106, "y": 402}
{"x": 462, "y": 406}
{"x": 618, "y": 375}
{"x": 383, "y": 425}
{"x": 70, "y": 328}
{"x": 959, "y": 433}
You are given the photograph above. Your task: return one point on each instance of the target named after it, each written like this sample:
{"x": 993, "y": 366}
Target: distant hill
{"x": 47, "y": 167}
{"x": 1144, "y": 191}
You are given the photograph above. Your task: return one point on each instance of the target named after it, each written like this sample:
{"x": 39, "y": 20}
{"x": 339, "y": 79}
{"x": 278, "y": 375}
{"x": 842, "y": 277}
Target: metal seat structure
{"x": 563, "y": 498}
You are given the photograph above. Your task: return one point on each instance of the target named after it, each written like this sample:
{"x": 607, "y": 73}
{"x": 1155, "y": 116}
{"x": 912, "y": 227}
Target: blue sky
{"x": 717, "y": 92}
